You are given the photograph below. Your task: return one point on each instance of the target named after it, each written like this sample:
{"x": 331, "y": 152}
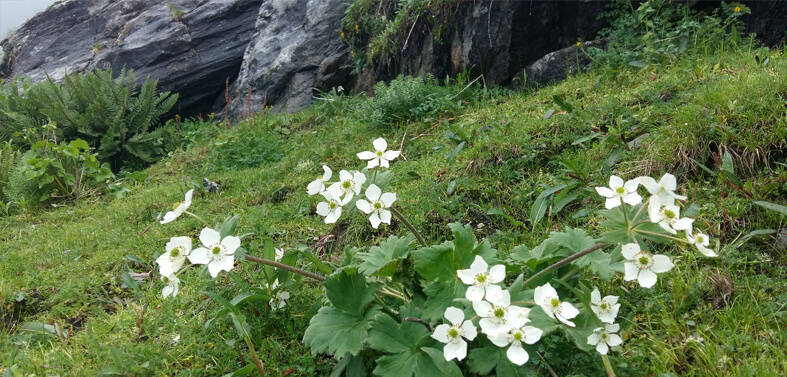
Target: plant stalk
{"x": 282, "y": 266}
{"x": 409, "y": 226}
{"x": 197, "y": 217}
{"x": 608, "y": 366}
{"x": 562, "y": 263}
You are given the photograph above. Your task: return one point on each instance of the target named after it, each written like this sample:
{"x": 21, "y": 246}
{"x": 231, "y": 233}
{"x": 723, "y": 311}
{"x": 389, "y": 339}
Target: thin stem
{"x": 625, "y": 215}
{"x": 392, "y": 293}
{"x": 570, "y": 273}
{"x": 636, "y": 216}
{"x": 524, "y": 303}
{"x": 608, "y": 366}
{"x": 418, "y": 320}
{"x": 285, "y": 267}
{"x": 562, "y": 263}
{"x": 409, "y": 226}
{"x": 197, "y": 217}
{"x": 250, "y": 344}
{"x": 662, "y": 235}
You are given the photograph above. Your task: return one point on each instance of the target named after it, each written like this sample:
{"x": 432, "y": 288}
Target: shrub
{"x": 9, "y": 157}
{"x": 108, "y": 113}
{"x": 407, "y": 98}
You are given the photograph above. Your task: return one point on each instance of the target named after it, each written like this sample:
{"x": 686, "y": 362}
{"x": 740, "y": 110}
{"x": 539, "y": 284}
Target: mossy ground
{"x": 708, "y": 317}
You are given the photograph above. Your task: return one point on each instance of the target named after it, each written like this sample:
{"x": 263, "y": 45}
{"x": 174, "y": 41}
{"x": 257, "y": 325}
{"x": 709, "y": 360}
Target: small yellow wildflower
{"x": 737, "y": 9}
{"x": 177, "y": 117}
{"x": 356, "y": 29}
{"x": 212, "y": 115}
{"x": 342, "y": 35}
{"x": 352, "y": 53}
{"x": 579, "y": 44}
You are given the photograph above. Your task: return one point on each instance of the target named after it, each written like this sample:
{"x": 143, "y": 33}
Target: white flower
{"x": 172, "y": 282}
{"x": 546, "y": 297}
{"x": 378, "y": 202}
{"x": 216, "y": 252}
{"x": 332, "y": 208}
{"x": 178, "y": 209}
{"x": 515, "y": 337}
{"x": 498, "y": 316}
{"x": 606, "y": 309}
{"x": 451, "y": 335}
{"x": 178, "y": 248}
{"x": 701, "y": 241}
{"x": 318, "y": 185}
{"x": 664, "y": 188}
{"x": 668, "y": 216}
{"x": 349, "y": 184}
{"x": 644, "y": 266}
{"x": 604, "y": 337}
{"x": 278, "y": 301}
{"x": 618, "y": 190}
{"x": 482, "y": 280}
{"x": 379, "y": 157}
{"x": 279, "y": 253}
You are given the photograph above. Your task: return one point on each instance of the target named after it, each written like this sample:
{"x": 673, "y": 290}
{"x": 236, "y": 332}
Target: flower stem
{"x": 524, "y": 303}
{"x": 562, "y": 263}
{"x": 409, "y": 226}
{"x": 418, "y": 320}
{"x": 663, "y": 235}
{"x": 392, "y": 293}
{"x": 285, "y": 267}
{"x": 608, "y": 366}
{"x": 198, "y": 218}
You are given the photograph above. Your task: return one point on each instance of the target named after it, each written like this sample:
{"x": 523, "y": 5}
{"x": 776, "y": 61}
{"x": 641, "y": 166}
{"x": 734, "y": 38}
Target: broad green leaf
{"x": 383, "y": 260}
{"x": 452, "y": 156}
{"x": 439, "y": 296}
{"x": 389, "y": 336}
{"x": 541, "y": 320}
{"x": 290, "y": 259}
{"x": 349, "y": 366}
{"x": 727, "y": 165}
{"x": 533, "y": 257}
{"x": 599, "y": 263}
{"x": 246, "y": 297}
{"x": 772, "y": 206}
{"x": 435, "y": 263}
{"x": 486, "y": 357}
{"x": 562, "y": 103}
{"x": 585, "y": 324}
{"x": 572, "y": 239}
{"x": 316, "y": 262}
{"x": 541, "y": 204}
{"x": 339, "y": 333}
{"x": 228, "y": 226}
{"x": 348, "y": 292}
{"x": 221, "y": 300}
{"x": 269, "y": 253}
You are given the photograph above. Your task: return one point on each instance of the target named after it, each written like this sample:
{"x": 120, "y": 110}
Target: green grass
{"x": 63, "y": 265}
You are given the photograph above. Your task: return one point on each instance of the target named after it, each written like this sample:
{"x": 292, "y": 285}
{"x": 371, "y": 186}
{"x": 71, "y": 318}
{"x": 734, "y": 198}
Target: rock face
{"x": 556, "y": 66}
{"x": 495, "y": 38}
{"x": 190, "y": 46}
{"x": 296, "y": 47}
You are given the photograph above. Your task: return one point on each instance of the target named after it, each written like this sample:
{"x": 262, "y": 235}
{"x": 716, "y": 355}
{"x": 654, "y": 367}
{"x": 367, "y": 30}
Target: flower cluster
{"x": 339, "y": 194}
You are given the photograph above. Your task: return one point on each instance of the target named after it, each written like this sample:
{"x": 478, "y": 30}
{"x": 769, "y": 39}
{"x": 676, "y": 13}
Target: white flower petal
{"x": 632, "y": 199}
{"x": 500, "y": 340}
{"x": 605, "y": 192}
{"x": 497, "y": 273}
{"x": 482, "y": 308}
{"x": 454, "y": 315}
{"x": 333, "y": 216}
{"x": 373, "y": 192}
{"x": 467, "y": 276}
{"x": 631, "y": 271}
{"x": 493, "y": 292}
{"x": 170, "y": 217}
{"x": 615, "y": 181}
{"x": 364, "y": 206}
{"x": 385, "y": 216}
{"x": 391, "y": 155}
{"x": 517, "y": 354}
{"x": 593, "y": 339}
{"x": 614, "y": 340}
{"x": 456, "y": 350}
{"x": 199, "y": 256}
{"x": 315, "y": 187}
{"x": 661, "y": 263}
{"x": 440, "y": 333}
{"x": 475, "y": 293}
{"x": 602, "y": 348}
{"x": 649, "y": 184}
{"x": 326, "y": 173}
{"x": 380, "y": 144}
{"x": 367, "y": 155}
{"x": 532, "y": 334}
{"x": 611, "y": 203}
{"x": 629, "y": 250}
{"x": 388, "y": 198}
{"x": 323, "y": 208}
{"x": 469, "y": 330}
{"x": 375, "y": 220}
{"x": 647, "y": 278}
{"x": 478, "y": 266}
{"x": 232, "y": 243}
{"x": 209, "y": 237}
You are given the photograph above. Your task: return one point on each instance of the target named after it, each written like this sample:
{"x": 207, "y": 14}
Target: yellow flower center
{"x": 216, "y": 250}
{"x": 347, "y": 184}
{"x": 620, "y": 190}
{"x": 481, "y": 278}
{"x": 555, "y": 302}
{"x": 518, "y": 336}
{"x": 379, "y": 153}
{"x": 378, "y": 205}
{"x": 453, "y": 333}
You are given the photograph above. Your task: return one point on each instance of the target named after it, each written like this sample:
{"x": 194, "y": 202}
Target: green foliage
{"x": 109, "y": 113}
{"x": 661, "y": 31}
{"x": 9, "y": 157}
{"x": 245, "y": 148}
{"x": 406, "y": 99}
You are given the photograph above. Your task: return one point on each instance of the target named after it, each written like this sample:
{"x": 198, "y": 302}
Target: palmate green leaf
{"x": 533, "y": 257}
{"x": 585, "y": 324}
{"x": 439, "y": 296}
{"x": 349, "y": 366}
{"x": 440, "y": 262}
{"x": 348, "y": 292}
{"x": 383, "y": 260}
{"x": 338, "y": 333}
{"x": 408, "y": 343}
{"x": 575, "y": 240}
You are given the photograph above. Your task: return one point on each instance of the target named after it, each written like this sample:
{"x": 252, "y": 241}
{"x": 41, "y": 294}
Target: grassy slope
{"x": 63, "y": 266}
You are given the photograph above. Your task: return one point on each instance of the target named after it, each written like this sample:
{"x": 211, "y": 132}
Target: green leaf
{"x": 574, "y": 240}
{"x": 290, "y": 259}
{"x": 439, "y": 296}
{"x": 221, "y": 300}
{"x": 316, "y": 262}
{"x": 440, "y": 262}
{"x": 383, "y": 260}
{"x": 727, "y": 165}
{"x": 228, "y": 226}
{"x": 452, "y": 156}
{"x": 131, "y": 284}
{"x": 585, "y": 324}
{"x": 389, "y": 336}
{"x": 498, "y": 211}
{"x": 562, "y": 103}
{"x": 542, "y": 203}
{"x": 348, "y": 292}
{"x": 533, "y": 257}
{"x": 337, "y": 332}
{"x": 772, "y": 206}
{"x": 349, "y": 366}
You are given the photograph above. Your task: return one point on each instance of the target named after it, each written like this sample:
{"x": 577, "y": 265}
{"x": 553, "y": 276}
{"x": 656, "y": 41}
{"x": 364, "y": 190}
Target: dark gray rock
{"x": 556, "y": 66}
{"x": 191, "y": 46}
{"x": 296, "y": 48}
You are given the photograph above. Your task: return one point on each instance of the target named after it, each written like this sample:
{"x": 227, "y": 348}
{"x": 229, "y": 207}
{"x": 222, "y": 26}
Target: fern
{"x": 9, "y": 157}
{"x": 108, "y": 112}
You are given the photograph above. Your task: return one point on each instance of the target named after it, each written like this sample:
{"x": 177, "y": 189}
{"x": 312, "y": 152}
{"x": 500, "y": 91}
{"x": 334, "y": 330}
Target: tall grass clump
{"x": 407, "y": 98}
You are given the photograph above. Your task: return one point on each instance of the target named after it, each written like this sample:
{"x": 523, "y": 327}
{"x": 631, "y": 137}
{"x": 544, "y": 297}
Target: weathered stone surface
{"x": 556, "y": 66}
{"x": 190, "y": 46}
{"x": 296, "y": 48}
